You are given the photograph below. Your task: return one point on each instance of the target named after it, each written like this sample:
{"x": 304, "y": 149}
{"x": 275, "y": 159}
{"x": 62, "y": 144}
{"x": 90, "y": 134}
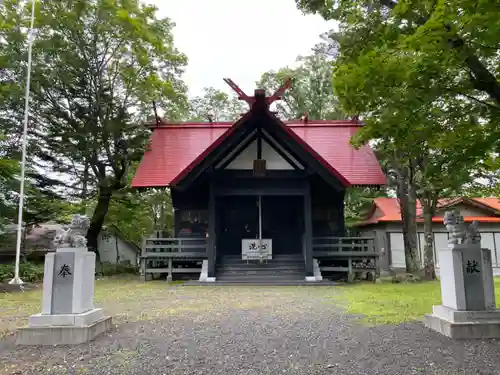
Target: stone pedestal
{"x": 468, "y": 309}
{"x": 68, "y": 314}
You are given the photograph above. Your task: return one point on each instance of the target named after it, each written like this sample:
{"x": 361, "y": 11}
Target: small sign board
{"x": 255, "y": 249}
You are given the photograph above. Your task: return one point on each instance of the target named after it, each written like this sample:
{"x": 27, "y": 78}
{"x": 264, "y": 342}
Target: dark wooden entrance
{"x": 238, "y": 218}
{"x": 283, "y": 222}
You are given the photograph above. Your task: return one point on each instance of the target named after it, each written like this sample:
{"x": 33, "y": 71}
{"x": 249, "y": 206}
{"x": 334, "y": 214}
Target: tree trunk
{"x": 97, "y": 220}
{"x": 429, "y": 270}
{"x": 117, "y": 249}
{"x": 407, "y": 204}
{"x": 411, "y": 240}
{"x": 162, "y": 216}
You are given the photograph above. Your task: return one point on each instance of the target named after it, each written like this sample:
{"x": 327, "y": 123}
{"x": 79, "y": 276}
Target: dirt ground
{"x": 162, "y": 329}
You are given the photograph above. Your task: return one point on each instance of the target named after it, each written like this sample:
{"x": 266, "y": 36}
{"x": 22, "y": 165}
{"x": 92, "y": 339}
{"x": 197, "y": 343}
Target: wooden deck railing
{"x": 344, "y": 246}
{"x": 345, "y": 254}
{"x": 158, "y": 255}
{"x": 174, "y": 248}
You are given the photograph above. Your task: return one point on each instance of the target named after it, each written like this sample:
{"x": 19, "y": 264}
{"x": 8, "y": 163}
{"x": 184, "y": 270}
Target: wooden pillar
{"x": 308, "y": 233}
{"x": 143, "y": 259}
{"x": 170, "y": 267}
{"x": 341, "y": 216}
{"x": 350, "y": 273}
{"x": 177, "y": 222}
{"x": 211, "y": 233}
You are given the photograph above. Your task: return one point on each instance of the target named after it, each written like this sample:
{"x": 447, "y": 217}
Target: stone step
{"x": 263, "y": 269}
{"x": 256, "y": 262}
{"x": 264, "y": 263}
{"x": 260, "y": 277}
{"x": 261, "y": 274}
{"x": 283, "y": 269}
{"x": 275, "y": 256}
{"x": 261, "y": 283}
{"x": 289, "y": 266}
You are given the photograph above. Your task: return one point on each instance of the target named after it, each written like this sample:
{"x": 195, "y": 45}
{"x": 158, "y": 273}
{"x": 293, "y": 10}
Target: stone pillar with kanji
{"x": 68, "y": 313}
{"x": 468, "y": 308}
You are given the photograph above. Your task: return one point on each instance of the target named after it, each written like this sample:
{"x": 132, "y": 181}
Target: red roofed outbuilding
{"x": 385, "y": 224}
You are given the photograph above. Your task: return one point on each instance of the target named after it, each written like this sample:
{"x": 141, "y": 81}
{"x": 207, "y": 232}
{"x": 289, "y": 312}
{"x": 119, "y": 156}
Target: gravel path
{"x": 266, "y": 331}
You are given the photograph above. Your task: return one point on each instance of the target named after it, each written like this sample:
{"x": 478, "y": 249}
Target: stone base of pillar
{"x": 463, "y": 325}
{"x": 64, "y": 329}
{"x": 317, "y": 270}
{"x": 204, "y": 270}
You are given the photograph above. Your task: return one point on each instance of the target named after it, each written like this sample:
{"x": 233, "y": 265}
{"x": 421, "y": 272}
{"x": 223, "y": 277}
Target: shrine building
{"x": 259, "y": 199}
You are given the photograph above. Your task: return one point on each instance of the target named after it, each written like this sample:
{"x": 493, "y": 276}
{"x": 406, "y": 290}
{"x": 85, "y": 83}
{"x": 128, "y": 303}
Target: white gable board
{"x": 274, "y": 161}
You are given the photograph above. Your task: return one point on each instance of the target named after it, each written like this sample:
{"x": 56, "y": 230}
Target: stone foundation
{"x": 464, "y": 325}
{"x": 64, "y": 329}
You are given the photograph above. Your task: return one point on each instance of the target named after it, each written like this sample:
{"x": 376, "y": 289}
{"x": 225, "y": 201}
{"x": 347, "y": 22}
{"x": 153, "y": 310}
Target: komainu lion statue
{"x": 459, "y": 232}
{"x": 74, "y": 236}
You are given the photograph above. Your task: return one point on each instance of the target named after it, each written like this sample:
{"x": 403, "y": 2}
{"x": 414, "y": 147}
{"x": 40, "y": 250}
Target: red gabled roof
{"x": 388, "y": 210}
{"x": 176, "y": 148}
{"x": 331, "y": 139}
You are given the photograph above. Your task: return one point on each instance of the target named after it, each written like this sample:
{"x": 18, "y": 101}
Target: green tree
{"x": 359, "y": 203}
{"x": 136, "y": 214}
{"x": 311, "y": 92}
{"x": 216, "y": 105}
{"x": 421, "y": 166}
{"x": 97, "y": 67}
{"x": 41, "y": 204}
{"x": 449, "y": 47}
{"x": 488, "y": 182}
{"x": 399, "y": 175}
{"x": 8, "y": 170}
{"x": 426, "y": 83}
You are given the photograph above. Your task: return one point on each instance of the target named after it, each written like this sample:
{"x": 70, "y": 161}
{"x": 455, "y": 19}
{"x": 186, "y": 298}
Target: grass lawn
{"x": 125, "y": 298}
{"x": 393, "y": 303}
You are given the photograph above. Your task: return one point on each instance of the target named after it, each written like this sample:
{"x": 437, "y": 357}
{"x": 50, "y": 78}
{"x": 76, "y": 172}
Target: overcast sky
{"x": 239, "y": 39}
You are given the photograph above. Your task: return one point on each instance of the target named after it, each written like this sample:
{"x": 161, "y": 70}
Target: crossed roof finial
{"x": 251, "y": 99}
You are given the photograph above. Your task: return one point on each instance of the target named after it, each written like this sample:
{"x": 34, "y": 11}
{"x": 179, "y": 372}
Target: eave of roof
{"x": 159, "y": 169}
{"x": 391, "y": 214}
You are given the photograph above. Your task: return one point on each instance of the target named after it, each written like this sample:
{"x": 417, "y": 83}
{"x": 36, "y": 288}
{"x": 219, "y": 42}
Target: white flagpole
{"x": 17, "y": 280}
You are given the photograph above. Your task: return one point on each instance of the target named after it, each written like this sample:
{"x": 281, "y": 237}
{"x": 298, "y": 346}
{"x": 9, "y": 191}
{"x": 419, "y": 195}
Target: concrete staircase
{"x": 283, "y": 269}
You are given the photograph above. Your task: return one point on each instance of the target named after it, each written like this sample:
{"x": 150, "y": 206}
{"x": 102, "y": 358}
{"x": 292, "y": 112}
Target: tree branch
{"x": 473, "y": 98}
{"x": 481, "y": 78}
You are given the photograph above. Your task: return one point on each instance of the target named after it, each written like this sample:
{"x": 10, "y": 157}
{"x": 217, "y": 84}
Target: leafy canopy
{"x": 311, "y": 92}
{"x": 97, "y": 67}
{"x": 215, "y": 105}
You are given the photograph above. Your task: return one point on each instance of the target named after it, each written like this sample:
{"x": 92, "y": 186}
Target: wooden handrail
{"x": 343, "y": 238}
{"x": 173, "y": 245}
{"x": 351, "y": 246}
